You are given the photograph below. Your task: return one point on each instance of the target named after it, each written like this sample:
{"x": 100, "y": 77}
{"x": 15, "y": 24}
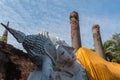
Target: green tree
{"x": 112, "y": 48}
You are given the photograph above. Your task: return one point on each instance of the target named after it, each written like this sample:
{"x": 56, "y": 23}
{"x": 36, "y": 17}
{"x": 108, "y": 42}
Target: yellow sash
{"x": 96, "y": 67}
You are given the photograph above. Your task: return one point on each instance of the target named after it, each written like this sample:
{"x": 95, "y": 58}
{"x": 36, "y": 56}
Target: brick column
{"x": 97, "y": 41}
{"x": 75, "y": 30}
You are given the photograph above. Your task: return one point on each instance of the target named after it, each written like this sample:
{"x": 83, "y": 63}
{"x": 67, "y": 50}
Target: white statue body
{"x": 67, "y": 67}
{"x": 54, "y": 59}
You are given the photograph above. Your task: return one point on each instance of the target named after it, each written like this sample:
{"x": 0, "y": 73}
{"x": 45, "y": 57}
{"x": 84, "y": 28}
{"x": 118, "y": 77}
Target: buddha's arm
{"x": 46, "y": 68}
{"x": 47, "y": 65}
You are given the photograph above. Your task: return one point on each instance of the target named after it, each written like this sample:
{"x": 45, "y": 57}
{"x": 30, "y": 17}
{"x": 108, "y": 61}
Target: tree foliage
{"x": 112, "y": 48}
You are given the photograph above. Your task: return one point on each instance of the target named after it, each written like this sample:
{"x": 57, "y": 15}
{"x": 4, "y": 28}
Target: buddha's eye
{"x": 62, "y": 53}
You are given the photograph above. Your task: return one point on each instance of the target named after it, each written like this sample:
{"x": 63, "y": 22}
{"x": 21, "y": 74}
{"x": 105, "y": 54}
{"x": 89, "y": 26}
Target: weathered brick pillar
{"x": 97, "y": 41}
{"x": 75, "y": 30}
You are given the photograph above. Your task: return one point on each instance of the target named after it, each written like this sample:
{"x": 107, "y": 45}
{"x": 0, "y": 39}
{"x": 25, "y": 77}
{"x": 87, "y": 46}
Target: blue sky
{"x": 33, "y": 16}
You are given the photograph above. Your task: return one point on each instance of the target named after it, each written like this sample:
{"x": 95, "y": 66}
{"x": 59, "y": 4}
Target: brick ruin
{"x": 14, "y": 63}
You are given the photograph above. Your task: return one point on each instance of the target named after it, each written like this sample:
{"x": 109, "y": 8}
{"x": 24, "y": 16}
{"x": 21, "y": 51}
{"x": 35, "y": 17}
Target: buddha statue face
{"x": 65, "y": 54}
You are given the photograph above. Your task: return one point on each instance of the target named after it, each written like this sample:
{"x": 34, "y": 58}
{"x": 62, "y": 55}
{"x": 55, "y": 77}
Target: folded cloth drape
{"x": 96, "y": 67}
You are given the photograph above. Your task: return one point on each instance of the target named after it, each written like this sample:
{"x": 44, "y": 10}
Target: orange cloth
{"x": 96, "y": 67}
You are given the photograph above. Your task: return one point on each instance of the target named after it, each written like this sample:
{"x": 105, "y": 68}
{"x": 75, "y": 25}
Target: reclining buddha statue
{"x": 53, "y": 57}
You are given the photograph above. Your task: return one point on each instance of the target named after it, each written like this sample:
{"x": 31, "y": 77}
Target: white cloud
{"x": 53, "y": 16}
{"x": 108, "y": 26}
